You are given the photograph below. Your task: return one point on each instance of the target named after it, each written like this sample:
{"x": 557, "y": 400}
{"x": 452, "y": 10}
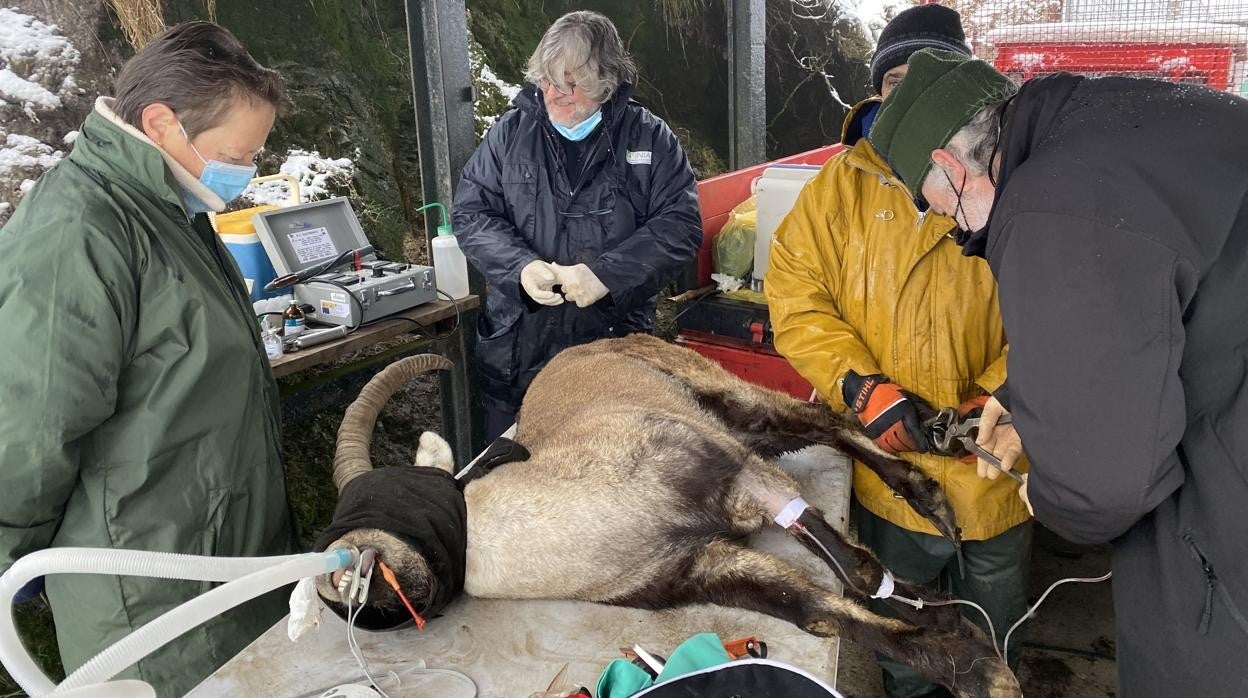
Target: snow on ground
{"x": 24, "y": 152}
{"x": 36, "y": 63}
{"x": 1028, "y": 61}
{"x": 488, "y": 82}
{"x": 319, "y": 178}
{"x": 1135, "y": 11}
{"x": 22, "y": 160}
{"x": 1113, "y": 31}
{"x": 36, "y": 74}
{"x": 29, "y": 95}
{"x": 507, "y": 89}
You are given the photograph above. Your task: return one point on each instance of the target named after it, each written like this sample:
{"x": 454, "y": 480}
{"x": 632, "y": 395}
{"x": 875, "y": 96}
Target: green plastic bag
{"x": 623, "y": 679}
{"x": 732, "y": 253}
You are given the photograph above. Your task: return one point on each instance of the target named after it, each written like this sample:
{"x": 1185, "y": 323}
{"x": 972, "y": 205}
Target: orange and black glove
{"x": 971, "y": 409}
{"x": 891, "y": 417}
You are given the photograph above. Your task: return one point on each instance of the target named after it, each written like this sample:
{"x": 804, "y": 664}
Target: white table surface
{"x": 514, "y": 648}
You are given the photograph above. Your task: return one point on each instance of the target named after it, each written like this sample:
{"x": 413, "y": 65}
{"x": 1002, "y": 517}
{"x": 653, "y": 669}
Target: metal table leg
{"x": 458, "y": 425}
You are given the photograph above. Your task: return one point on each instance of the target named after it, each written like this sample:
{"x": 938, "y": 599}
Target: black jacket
{"x": 632, "y": 217}
{"x": 1120, "y": 241}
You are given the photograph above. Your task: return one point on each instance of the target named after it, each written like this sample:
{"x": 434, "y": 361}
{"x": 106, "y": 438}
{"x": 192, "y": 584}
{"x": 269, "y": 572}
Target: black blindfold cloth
{"x": 423, "y": 507}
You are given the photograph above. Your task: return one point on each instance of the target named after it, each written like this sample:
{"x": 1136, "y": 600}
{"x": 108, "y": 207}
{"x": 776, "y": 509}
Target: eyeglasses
{"x": 546, "y": 85}
{"x": 224, "y": 156}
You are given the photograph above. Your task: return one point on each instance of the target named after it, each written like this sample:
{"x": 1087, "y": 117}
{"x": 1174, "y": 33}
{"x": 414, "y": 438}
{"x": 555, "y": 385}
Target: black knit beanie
{"x": 924, "y": 26}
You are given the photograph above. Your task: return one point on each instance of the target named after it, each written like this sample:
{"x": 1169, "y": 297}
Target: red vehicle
{"x": 1204, "y": 53}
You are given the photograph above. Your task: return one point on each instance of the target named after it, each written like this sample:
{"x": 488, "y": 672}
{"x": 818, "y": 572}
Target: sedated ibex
{"x": 648, "y": 467}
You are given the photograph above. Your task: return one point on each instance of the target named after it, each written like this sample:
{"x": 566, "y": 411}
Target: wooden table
{"x": 429, "y": 315}
{"x": 511, "y": 649}
{"x": 437, "y": 319}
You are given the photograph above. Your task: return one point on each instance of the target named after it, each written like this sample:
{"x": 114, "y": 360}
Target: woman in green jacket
{"x": 138, "y": 409}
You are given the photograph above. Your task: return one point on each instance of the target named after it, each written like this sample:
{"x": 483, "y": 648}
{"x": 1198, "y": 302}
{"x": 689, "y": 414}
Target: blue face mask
{"x": 579, "y": 131}
{"x": 223, "y": 179}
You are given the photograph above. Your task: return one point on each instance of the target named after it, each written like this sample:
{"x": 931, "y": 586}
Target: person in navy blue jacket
{"x": 577, "y": 207}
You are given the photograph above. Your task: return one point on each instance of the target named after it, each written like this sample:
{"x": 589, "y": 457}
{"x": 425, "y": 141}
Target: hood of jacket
{"x": 1029, "y": 117}
{"x": 855, "y": 125}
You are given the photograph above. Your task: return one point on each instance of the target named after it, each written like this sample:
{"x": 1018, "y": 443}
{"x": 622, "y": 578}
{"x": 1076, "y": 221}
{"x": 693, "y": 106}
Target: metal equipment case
{"x": 305, "y": 236}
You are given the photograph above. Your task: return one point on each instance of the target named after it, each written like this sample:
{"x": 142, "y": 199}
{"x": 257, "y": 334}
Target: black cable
{"x": 458, "y": 316}
{"x": 303, "y": 275}
{"x": 420, "y": 326}
{"x": 337, "y": 260}
{"x": 424, "y": 330}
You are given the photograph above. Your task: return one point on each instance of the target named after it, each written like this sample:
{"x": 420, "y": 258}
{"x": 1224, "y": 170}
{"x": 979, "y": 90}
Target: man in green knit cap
{"x": 138, "y": 407}
{"x": 1114, "y": 214}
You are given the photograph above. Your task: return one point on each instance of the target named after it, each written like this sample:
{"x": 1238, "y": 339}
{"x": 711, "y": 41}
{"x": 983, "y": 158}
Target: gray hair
{"x": 586, "y": 46}
{"x": 197, "y": 69}
{"x": 974, "y": 144}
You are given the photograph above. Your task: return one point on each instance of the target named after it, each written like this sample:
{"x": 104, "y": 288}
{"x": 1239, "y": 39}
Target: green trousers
{"x": 996, "y": 578}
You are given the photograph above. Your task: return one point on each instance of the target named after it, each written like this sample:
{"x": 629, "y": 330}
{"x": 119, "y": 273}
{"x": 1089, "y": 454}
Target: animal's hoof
{"x": 986, "y": 677}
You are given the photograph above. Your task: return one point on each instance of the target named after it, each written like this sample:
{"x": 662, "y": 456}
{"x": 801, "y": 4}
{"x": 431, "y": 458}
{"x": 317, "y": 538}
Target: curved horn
{"x": 351, "y": 457}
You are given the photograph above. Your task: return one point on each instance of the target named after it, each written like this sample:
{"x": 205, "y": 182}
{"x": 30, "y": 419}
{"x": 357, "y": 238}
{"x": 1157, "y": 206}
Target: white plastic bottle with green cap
{"x": 449, "y": 265}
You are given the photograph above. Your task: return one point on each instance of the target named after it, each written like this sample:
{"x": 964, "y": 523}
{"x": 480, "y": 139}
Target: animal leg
{"x": 868, "y": 577}
{"x": 760, "y": 492}
{"x": 757, "y": 495}
{"x": 772, "y": 424}
{"x": 770, "y": 490}
{"x": 731, "y": 575}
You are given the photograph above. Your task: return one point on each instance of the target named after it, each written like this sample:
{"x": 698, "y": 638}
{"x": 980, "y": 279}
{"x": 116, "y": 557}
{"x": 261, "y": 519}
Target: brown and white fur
{"x": 649, "y": 466}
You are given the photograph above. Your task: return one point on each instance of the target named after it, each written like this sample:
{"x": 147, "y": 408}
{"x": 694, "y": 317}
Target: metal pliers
{"x": 948, "y": 432}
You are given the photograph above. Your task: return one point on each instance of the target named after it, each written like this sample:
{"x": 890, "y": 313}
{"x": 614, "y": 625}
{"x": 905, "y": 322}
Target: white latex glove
{"x": 1001, "y": 440}
{"x": 1022, "y": 494}
{"x": 536, "y": 279}
{"x": 580, "y": 285}
{"x": 305, "y": 610}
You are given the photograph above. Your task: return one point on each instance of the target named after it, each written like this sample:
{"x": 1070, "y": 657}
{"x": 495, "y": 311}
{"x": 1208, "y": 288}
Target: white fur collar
{"x": 104, "y": 107}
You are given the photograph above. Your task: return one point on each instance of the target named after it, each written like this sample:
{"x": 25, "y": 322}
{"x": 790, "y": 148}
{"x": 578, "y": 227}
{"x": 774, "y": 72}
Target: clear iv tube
{"x": 248, "y": 577}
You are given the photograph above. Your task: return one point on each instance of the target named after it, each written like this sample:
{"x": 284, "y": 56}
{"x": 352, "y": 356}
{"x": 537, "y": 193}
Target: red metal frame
{"x": 757, "y": 363}
{"x": 1206, "y": 64}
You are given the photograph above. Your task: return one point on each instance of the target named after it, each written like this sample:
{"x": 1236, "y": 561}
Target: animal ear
{"x": 434, "y": 452}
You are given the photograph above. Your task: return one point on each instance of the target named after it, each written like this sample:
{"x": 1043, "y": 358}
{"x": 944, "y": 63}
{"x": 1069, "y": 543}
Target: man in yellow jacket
{"x": 873, "y": 303}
